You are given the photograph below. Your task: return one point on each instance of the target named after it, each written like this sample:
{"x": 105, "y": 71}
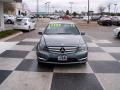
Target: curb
{"x": 11, "y": 36}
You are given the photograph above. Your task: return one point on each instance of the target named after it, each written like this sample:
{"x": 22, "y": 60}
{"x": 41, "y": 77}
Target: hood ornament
{"x": 62, "y": 50}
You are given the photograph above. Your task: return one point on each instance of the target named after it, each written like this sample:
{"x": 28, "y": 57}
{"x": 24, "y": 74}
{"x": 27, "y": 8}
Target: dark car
{"x": 105, "y": 20}
{"x": 116, "y": 20}
{"x": 62, "y": 43}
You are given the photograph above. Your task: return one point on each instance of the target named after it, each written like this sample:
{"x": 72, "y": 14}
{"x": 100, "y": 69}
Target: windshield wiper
{"x": 60, "y": 33}
{"x": 64, "y": 33}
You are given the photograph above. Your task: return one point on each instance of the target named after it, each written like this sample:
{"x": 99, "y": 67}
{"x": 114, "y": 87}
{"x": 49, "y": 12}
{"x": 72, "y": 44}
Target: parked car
{"x": 19, "y": 16}
{"x": 85, "y": 18}
{"x": 67, "y": 17}
{"x": 25, "y": 24}
{"x": 40, "y": 16}
{"x": 54, "y": 17}
{"x": 61, "y": 43}
{"x": 105, "y": 20}
{"x": 95, "y": 17}
{"x": 81, "y": 17}
{"x": 117, "y": 32}
{"x": 116, "y": 20}
{"x": 31, "y": 16}
{"x": 9, "y": 19}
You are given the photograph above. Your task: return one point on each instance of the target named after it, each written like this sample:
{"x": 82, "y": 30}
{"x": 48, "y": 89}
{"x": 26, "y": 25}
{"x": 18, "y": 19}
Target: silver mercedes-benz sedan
{"x": 62, "y": 43}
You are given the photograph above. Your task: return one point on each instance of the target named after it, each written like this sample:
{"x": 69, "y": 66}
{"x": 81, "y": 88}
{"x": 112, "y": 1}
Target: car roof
{"x": 62, "y": 22}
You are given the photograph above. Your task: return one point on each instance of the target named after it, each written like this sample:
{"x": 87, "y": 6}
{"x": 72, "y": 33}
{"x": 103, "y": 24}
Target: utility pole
{"x": 71, "y": 6}
{"x": 109, "y": 8}
{"x": 37, "y": 9}
{"x": 88, "y": 12}
{"x": 48, "y": 7}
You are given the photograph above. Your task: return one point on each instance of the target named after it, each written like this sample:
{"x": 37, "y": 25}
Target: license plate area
{"x": 62, "y": 58}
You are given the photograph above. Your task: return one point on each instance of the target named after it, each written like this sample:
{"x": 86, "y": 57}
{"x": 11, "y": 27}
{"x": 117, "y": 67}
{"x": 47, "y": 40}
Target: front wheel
{"x": 118, "y": 35}
{"x": 39, "y": 63}
{"x": 9, "y": 22}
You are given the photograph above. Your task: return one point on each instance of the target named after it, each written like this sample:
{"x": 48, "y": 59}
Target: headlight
{"x": 83, "y": 48}
{"x": 42, "y": 46}
{"x": 116, "y": 30}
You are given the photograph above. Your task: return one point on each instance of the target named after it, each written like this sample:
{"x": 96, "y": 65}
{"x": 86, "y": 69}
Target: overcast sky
{"x": 79, "y": 5}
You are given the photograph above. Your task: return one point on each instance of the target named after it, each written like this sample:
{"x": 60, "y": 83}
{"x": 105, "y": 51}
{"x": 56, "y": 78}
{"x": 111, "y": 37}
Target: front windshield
{"x": 21, "y": 20}
{"x": 62, "y": 29}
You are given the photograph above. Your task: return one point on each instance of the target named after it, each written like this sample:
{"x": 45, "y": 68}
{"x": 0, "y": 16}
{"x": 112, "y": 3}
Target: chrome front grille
{"x": 67, "y": 49}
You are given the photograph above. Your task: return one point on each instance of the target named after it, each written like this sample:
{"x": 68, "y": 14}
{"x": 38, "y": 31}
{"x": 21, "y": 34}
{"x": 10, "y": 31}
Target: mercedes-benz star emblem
{"x": 62, "y": 50}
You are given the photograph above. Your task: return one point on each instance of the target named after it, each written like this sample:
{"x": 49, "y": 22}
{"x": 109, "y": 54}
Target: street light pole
{"x": 71, "y": 5}
{"x": 115, "y": 8}
{"x": 88, "y": 12}
{"x": 37, "y": 8}
{"x": 47, "y": 6}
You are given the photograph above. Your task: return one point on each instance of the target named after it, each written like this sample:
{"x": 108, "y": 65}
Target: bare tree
{"x": 101, "y": 9}
{"x": 9, "y": 7}
{"x": 67, "y": 12}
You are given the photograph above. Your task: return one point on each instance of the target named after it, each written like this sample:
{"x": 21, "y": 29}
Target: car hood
{"x": 63, "y": 40}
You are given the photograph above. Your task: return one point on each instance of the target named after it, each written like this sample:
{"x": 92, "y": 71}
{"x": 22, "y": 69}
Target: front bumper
{"x": 52, "y": 58}
{"x": 107, "y": 22}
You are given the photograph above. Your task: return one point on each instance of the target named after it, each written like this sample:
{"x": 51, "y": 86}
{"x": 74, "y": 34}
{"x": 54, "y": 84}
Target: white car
{"x": 55, "y": 17}
{"x": 85, "y": 18}
{"x": 9, "y": 19}
{"x": 117, "y": 32}
{"x": 25, "y": 24}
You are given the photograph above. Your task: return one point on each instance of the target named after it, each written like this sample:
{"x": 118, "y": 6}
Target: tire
{"x": 118, "y": 36}
{"x": 9, "y": 22}
{"x": 110, "y": 24}
{"x": 39, "y": 63}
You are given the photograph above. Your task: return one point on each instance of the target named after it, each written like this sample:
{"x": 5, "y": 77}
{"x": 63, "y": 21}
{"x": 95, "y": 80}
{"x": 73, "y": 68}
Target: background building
{"x": 2, "y": 11}
{"x": 21, "y": 9}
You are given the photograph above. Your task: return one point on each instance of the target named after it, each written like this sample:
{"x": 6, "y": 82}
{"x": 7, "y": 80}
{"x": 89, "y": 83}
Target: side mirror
{"x": 40, "y": 33}
{"x": 33, "y": 21}
{"x": 82, "y": 33}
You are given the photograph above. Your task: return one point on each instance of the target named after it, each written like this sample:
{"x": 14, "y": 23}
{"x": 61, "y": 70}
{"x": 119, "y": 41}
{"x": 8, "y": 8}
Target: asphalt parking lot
{"x": 19, "y": 69}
